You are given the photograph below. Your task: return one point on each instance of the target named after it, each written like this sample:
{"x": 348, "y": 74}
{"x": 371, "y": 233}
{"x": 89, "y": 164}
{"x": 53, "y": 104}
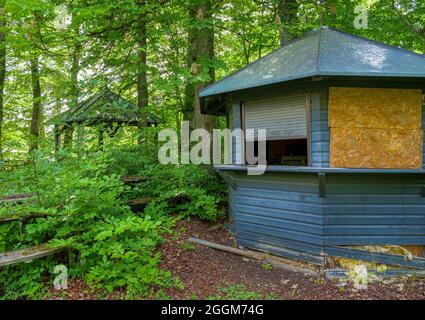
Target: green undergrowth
{"x": 79, "y": 205}
{"x": 239, "y": 292}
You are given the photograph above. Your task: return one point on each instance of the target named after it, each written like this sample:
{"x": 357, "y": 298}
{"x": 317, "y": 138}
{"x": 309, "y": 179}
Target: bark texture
{"x": 199, "y": 54}
{"x": 36, "y": 117}
{"x": 2, "y": 72}
{"x": 287, "y": 12}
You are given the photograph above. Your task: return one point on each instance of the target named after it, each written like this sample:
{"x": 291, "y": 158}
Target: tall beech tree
{"x": 2, "y": 70}
{"x": 37, "y": 110}
{"x": 142, "y": 79}
{"x": 74, "y": 88}
{"x": 200, "y": 55}
{"x": 287, "y": 12}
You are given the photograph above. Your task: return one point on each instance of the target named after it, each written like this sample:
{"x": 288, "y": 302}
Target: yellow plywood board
{"x": 376, "y": 148}
{"x": 375, "y": 108}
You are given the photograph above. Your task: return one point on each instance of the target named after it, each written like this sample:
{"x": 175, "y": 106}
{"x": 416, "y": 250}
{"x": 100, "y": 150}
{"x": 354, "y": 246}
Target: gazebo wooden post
{"x": 101, "y": 130}
{"x": 112, "y": 130}
{"x": 57, "y": 133}
{"x": 68, "y": 135}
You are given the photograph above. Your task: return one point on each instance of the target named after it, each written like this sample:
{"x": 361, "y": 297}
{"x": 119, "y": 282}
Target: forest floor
{"x": 211, "y": 274}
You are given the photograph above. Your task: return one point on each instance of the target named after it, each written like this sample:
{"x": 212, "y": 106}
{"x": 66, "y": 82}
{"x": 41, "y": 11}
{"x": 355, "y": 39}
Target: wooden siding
{"x": 372, "y": 210}
{"x": 279, "y": 213}
{"x": 282, "y": 212}
{"x": 319, "y": 129}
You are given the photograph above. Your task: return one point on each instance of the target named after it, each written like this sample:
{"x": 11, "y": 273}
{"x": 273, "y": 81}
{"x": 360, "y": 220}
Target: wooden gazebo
{"x": 105, "y": 110}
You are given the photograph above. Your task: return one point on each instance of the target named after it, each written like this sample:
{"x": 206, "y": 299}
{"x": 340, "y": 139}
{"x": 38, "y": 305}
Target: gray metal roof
{"x": 323, "y": 52}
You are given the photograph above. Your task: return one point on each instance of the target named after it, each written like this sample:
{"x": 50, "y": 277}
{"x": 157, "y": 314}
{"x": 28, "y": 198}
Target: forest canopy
{"x": 157, "y": 54}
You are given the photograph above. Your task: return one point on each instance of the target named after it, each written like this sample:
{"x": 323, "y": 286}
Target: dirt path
{"x": 205, "y": 272}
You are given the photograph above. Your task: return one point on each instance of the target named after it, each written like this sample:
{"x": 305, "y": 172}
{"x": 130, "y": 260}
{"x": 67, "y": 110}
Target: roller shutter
{"x": 283, "y": 117}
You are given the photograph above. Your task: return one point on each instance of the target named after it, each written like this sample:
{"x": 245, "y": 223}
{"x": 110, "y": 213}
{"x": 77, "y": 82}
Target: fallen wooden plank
{"x": 25, "y": 255}
{"x": 133, "y": 179}
{"x": 384, "y": 258}
{"x": 28, "y": 216}
{"x": 8, "y": 219}
{"x": 138, "y": 202}
{"x": 15, "y": 198}
{"x": 343, "y": 274}
{"x": 273, "y": 261}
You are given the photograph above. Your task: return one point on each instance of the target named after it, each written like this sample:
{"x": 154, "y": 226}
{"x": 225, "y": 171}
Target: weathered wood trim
{"x": 303, "y": 170}
{"x": 308, "y": 117}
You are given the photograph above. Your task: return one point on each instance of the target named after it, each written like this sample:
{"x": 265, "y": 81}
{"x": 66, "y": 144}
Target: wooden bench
{"x": 26, "y": 255}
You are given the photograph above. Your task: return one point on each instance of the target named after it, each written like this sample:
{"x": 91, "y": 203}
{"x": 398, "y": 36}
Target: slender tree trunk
{"x": 287, "y": 12}
{"x": 423, "y": 38}
{"x": 142, "y": 77}
{"x": 2, "y": 72}
{"x": 75, "y": 90}
{"x": 200, "y": 51}
{"x": 36, "y": 105}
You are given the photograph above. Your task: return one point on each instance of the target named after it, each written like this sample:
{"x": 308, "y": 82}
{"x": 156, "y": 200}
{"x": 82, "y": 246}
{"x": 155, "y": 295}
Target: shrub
{"x": 188, "y": 190}
{"x": 79, "y": 207}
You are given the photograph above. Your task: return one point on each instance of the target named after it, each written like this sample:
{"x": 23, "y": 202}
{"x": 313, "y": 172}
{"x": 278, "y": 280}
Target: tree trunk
{"x": 287, "y": 12}
{"x": 2, "y": 72}
{"x": 423, "y": 38}
{"x": 142, "y": 79}
{"x": 200, "y": 51}
{"x": 36, "y": 105}
{"x": 75, "y": 90}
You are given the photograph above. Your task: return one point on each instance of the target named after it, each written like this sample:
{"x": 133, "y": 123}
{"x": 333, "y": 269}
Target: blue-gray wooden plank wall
{"x": 282, "y": 213}
{"x": 374, "y": 210}
{"x": 279, "y": 213}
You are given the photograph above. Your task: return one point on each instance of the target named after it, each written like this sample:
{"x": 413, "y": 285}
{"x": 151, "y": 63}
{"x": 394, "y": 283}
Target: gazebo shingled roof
{"x": 102, "y": 107}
